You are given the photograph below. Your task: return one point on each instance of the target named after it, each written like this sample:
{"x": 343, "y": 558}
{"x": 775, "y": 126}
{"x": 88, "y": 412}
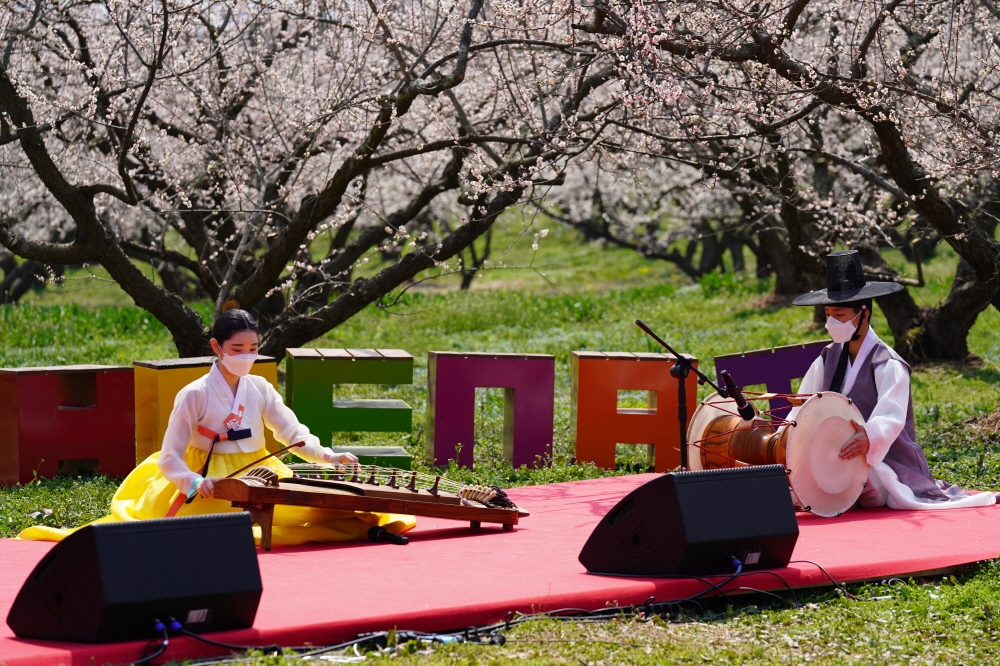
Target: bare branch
{"x": 858, "y": 69}
{"x": 54, "y": 253}
{"x": 128, "y": 137}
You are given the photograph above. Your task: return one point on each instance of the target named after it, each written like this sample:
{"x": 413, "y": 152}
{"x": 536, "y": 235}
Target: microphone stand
{"x": 680, "y": 370}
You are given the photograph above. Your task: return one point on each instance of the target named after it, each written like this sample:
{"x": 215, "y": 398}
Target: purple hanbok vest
{"x": 905, "y": 457}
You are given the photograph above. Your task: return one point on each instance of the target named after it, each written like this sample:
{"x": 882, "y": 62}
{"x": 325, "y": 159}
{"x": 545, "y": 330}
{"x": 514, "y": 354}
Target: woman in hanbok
{"x": 229, "y": 400}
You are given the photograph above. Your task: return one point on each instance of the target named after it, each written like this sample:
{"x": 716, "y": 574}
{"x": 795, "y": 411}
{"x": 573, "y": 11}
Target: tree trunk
{"x": 711, "y": 256}
{"x": 942, "y": 332}
{"x": 939, "y": 332}
{"x": 774, "y": 248}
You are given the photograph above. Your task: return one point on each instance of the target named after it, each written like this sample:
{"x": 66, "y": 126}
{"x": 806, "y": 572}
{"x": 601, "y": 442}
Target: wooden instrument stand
{"x": 259, "y": 499}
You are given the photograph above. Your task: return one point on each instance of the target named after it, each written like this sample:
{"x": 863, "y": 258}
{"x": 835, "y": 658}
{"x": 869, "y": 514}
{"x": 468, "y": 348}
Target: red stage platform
{"x": 453, "y": 577}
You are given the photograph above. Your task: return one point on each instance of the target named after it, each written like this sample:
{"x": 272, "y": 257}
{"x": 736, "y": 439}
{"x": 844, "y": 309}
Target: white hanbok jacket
{"x": 893, "y": 382}
{"x": 207, "y": 402}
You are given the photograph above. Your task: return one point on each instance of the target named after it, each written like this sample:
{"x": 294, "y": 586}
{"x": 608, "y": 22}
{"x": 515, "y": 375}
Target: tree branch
{"x": 128, "y": 137}
{"x": 50, "y": 253}
{"x": 492, "y": 44}
{"x": 860, "y": 169}
{"x": 791, "y": 18}
{"x": 442, "y": 145}
{"x": 293, "y": 332}
{"x": 858, "y": 69}
{"x": 162, "y": 253}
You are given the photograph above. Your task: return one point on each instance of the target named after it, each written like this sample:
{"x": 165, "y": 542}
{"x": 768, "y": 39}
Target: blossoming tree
{"x": 259, "y": 151}
{"x": 834, "y": 121}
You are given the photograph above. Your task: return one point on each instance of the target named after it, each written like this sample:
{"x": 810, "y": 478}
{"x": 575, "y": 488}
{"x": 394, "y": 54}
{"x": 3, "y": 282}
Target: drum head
{"x": 707, "y": 411}
{"x": 825, "y": 483}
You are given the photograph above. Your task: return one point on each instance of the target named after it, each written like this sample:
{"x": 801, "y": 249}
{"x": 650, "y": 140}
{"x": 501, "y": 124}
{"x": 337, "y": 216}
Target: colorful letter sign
{"x": 599, "y": 424}
{"x": 311, "y": 375}
{"x": 529, "y": 383}
{"x": 65, "y": 416}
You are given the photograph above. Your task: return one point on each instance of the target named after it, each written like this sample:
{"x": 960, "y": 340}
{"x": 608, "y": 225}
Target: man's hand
{"x": 857, "y": 445}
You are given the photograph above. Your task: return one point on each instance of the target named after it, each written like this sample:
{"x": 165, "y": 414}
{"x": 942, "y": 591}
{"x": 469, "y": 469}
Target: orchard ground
{"x": 566, "y": 296}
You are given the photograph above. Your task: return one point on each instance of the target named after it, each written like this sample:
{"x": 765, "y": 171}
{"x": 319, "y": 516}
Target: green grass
{"x": 952, "y": 622}
{"x": 587, "y": 299}
{"x": 59, "y": 502}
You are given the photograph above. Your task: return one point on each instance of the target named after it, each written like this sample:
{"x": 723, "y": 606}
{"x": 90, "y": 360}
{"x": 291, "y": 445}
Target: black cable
{"x": 837, "y": 585}
{"x": 788, "y": 586}
{"x": 604, "y": 613}
{"x": 705, "y": 581}
{"x": 164, "y": 643}
{"x": 229, "y": 646}
{"x": 364, "y": 638}
{"x": 583, "y": 615}
{"x": 766, "y": 592}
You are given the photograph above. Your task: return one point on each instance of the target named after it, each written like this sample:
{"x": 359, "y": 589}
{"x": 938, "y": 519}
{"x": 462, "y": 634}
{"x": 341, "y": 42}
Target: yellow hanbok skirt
{"x": 146, "y": 493}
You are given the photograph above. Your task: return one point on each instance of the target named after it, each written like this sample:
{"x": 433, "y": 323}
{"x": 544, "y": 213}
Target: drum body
{"x": 821, "y": 481}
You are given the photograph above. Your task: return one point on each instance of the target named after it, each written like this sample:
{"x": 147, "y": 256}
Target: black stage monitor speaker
{"x": 695, "y": 523}
{"x": 112, "y": 581}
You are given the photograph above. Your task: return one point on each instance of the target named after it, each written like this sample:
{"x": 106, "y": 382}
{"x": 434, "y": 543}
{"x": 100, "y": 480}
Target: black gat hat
{"x": 845, "y": 283}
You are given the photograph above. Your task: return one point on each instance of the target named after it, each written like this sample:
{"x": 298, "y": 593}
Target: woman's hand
{"x": 206, "y": 487}
{"x": 341, "y": 458}
{"x": 857, "y": 445}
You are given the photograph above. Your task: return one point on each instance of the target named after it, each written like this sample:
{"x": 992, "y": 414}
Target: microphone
{"x": 382, "y": 535}
{"x": 733, "y": 391}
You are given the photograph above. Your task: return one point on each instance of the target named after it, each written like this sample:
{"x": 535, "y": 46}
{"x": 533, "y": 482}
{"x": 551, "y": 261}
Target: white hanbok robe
{"x": 207, "y": 402}
{"x": 884, "y": 425}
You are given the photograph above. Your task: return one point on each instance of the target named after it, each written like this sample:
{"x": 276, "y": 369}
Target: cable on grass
{"x": 494, "y": 634}
{"x": 839, "y": 586}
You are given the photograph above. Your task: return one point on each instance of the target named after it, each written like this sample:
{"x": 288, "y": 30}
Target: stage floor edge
{"x": 451, "y": 577}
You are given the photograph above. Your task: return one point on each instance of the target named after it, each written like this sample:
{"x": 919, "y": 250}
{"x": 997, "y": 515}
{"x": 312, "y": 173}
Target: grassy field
{"x": 571, "y": 296}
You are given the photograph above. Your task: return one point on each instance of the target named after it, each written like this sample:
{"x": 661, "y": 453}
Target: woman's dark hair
{"x": 231, "y": 322}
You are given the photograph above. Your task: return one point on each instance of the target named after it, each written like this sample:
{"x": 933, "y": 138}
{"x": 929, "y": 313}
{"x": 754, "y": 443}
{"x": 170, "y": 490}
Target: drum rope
{"x": 716, "y": 453}
{"x": 771, "y": 420}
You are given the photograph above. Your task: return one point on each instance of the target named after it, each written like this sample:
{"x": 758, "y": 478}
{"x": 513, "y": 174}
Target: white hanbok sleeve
{"x": 811, "y": 383}
{"x": 286, "y": 427}
{"x": 183, "y": 422}
{"x": 889, "y": 416}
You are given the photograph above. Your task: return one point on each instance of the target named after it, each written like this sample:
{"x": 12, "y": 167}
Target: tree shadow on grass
{"x": 975, "y": 368}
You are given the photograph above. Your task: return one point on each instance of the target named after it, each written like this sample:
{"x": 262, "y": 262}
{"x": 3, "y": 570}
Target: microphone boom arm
{"x": 682, "y": 362}
{"x": 680, "y": 370}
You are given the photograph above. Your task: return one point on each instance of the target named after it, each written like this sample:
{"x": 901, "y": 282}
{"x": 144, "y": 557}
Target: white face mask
{"x": 841, "y": 331}
{"x": 240, "y": 364}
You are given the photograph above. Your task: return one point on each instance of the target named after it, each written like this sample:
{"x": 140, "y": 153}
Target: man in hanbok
{"x": 860, "y": 366}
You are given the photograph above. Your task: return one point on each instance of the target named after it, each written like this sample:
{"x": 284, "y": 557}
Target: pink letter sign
{"x": 452, "y": 380}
